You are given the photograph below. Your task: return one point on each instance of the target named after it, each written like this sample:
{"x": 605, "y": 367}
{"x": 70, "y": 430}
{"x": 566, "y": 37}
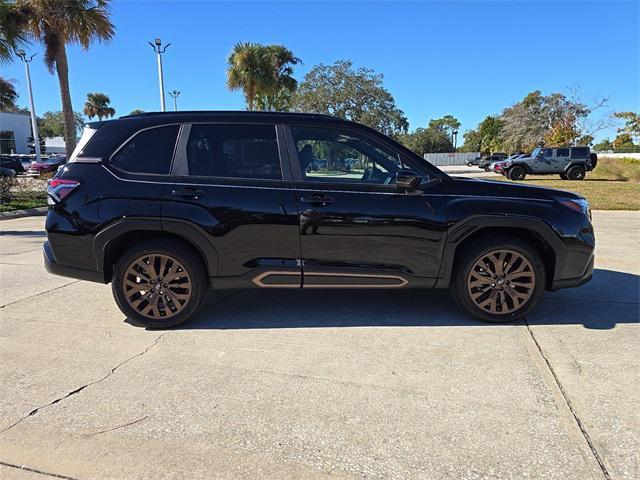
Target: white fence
{"x": 457, "y": 158}
{"x": 618, "y": 155}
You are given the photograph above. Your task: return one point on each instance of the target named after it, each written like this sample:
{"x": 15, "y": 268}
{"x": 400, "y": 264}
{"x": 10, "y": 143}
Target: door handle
{"x": 187, "y": 193}
{"x": 317, "y": 199}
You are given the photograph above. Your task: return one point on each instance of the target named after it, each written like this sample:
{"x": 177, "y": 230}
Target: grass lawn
{"x": 613, "y": 185}
{"x": 23, "y": 200}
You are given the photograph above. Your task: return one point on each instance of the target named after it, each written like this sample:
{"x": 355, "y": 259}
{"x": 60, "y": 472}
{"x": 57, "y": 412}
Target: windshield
{"x": 536, "y": 152}
{"x": 53, "y": 161}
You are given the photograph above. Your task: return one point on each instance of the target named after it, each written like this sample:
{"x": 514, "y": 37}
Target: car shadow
{"x": 23, "y": 233}
{"x": 611, "y": 298}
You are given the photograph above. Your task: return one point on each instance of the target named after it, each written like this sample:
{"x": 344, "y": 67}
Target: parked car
{"x": 13, "y": 163}
{"x": 475, "y": 161}
{"x": 51, "y": 164}
{"x": 498, "y": 167}
{"x": 485, "y": 162}
{"x": 166, "y": 205}
{"x": 571, "y": 163}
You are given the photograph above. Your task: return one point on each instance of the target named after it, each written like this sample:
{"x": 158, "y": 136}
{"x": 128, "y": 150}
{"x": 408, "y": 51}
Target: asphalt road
{"x": 320, "y": 384}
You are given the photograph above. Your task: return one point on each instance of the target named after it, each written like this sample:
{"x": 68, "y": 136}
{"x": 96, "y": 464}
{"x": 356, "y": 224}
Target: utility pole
{"x": 174, "y": 94}
{"x": 34, "y": 122}
{"x": 157, "y": 47}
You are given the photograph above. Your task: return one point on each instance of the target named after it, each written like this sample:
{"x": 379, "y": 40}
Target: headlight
{"x": 578, "y": 204}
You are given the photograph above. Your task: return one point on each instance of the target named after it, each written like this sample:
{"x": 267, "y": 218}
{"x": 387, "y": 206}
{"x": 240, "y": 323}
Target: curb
{"x": 29, "y": 212}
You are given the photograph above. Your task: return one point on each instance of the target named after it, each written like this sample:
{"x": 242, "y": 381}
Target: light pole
{"x": 159, "y": 51}
{"x": 174, "y": 94}
{"x": 34, "y": 123}
{"x": 454, "y": 134}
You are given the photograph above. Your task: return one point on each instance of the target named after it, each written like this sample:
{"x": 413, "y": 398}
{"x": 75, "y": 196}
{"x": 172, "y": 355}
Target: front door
{"x": 357, "y": 229}
{"x": 229, "y": 185}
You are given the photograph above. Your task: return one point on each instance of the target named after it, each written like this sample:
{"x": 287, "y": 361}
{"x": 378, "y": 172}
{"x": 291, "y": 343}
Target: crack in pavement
{"x": 34, "y": 470}
{"x": 82, "y": 387}
{"x": 580, "y": 424}
{"x": 117, "y": 427}
{"x": 40, "y": 293}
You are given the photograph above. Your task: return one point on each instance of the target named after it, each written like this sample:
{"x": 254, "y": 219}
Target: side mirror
{"x": 407, "y": 180}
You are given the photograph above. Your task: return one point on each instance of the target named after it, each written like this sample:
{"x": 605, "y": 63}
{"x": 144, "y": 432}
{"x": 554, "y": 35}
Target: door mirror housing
{"x": 407, "y": 179}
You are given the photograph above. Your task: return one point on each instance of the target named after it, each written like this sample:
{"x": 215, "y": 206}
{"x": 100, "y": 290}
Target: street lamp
{"x": 34, "y": 123}
{"x": 174, "y": 94}
{"x": 455, "y": 139}
{"x": 157, "y": 47}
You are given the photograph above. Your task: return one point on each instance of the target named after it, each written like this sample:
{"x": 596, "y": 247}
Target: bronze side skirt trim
{"x": 260, "y": 283}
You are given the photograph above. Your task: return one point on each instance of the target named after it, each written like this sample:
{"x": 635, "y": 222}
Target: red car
{"x": 51, "y": 164}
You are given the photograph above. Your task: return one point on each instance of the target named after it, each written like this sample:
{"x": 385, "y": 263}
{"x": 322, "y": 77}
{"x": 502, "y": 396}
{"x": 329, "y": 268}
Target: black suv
{"x": 165, "y": 205}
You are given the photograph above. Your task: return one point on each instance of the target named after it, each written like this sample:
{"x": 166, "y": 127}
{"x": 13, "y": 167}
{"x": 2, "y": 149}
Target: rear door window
{"x": 148, "y": 152}
{"x": 234, "y": 151}
{"x": 562, "y": 152}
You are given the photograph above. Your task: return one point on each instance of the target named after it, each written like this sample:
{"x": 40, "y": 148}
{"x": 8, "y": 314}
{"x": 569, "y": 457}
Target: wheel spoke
{"x": 143, "y": 275}
{"x": 507, "y": 284}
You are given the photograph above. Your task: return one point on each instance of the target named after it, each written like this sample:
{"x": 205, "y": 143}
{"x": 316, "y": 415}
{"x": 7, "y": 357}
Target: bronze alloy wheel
{"x": 157, "y": 286}
{"x": 501, "y": 282}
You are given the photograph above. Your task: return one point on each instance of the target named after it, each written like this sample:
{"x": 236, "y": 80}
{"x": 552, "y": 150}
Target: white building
{"x": 15, "y": 130}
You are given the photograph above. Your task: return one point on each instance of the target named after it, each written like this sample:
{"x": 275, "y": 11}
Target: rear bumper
{"x": 53, "y": 267}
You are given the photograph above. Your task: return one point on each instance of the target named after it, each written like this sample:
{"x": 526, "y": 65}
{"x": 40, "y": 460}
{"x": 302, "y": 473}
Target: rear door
{"x": 229, "y": 183}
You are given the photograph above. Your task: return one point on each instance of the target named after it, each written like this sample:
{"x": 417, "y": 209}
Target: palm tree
{"x": 261, "y": 72}
{"x": 58, "y": 22}
{"x": 97, "y": 105}
{"x": 246, "y": 71}
{"x": 12, "y": 34}
{"x": 8, "y": 95}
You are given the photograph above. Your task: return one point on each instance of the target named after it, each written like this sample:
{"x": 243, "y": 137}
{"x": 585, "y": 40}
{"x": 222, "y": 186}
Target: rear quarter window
{"x": 580, "y": 152}
{"x": 148, "y": 152}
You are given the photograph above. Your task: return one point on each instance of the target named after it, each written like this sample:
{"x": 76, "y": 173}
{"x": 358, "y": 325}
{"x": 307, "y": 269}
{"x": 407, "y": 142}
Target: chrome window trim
{"x": 257, "y": 187}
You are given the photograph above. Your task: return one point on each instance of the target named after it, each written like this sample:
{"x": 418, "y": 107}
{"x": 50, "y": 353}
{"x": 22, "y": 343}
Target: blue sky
{"x": 469, "y": 59}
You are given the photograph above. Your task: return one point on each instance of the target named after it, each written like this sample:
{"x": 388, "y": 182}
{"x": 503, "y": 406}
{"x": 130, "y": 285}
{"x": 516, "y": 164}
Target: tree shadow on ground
{"x": 611, "y": 298}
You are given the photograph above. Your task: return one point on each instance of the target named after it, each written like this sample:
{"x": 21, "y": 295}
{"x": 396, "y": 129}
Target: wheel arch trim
{"x": 463, "y": 230}
{"x": 180, "y": 228}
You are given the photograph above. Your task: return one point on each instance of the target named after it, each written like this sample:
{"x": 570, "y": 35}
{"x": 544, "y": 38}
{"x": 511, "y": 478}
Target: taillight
{"x": 59, "y": 188}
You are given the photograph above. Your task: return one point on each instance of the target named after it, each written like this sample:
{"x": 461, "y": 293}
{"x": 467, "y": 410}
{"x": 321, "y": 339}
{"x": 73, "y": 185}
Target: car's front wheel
{"x": 499, "y": 279}
{"x": 517, "y": 173}
{"x": 159, "y": 283}
{"x": 563, "y": 176}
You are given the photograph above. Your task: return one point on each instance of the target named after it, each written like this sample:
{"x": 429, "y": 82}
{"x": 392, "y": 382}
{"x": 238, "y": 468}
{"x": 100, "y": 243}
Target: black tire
{"x": 517, "y": 173}
{"x": 577, "y": 172}
{"x": 563, "y": 176}
{"x": 487, "y": 169}
{"x": 460, "y": 291}
{"x": 186, "y": 258}
{"x": 469, "y": 164}
{"x": 593, "y": 161}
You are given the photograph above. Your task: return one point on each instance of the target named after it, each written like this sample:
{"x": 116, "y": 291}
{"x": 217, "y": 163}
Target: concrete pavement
{"x": 320, "y": 384}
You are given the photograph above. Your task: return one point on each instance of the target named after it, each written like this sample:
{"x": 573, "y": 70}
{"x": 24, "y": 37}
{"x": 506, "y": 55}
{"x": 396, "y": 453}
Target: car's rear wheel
{"x": 517, "y": 173}
{"x": 499, "y": 279}
{"x": 159, "y": 284}
{"x": 577, "y": 172}
{"x": 469, "y": 164}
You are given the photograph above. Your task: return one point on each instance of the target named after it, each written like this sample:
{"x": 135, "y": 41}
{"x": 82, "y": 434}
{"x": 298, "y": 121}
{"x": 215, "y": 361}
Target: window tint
{"x": 547, "y": 152}
{"x": 150, "y": 151}
{"x": 330, "y": 155}
{"x": 579, "y": 152}
{"x": 234, "y": 151}
{"x": 562, "y": 152}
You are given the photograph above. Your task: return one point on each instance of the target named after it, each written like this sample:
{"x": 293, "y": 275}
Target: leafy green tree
{"x": 12, "y": 33}
{"x": 137, "y": 111}
{"x": 55, "y": 23}
{"x": 623, "y": 140}
{"x": 472, "y": 141}
{"x": 98, "y": 105}
{"x": 32, "y": 147}
{"x": 447, "y": 124}
{"x": 264, "y": 73}
{"x": 603, "y": 146}
{"x": 427, "y": 140}
{"x": 631, "y": 125}
{"x": 357, "y": 95}
{"x": 8, "y": 96}
{"x": 51, "y": 124}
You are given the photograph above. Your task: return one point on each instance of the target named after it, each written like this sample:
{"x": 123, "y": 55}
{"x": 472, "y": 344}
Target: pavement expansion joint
{"x": 34, "y": 470}
{"x": 570, "y": 406}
